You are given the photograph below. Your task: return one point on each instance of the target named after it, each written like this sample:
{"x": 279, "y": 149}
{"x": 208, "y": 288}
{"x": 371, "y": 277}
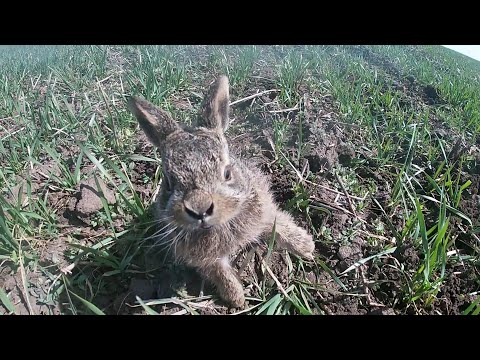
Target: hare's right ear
{"x": 215, "y": 107}
{"x": 156, "y": 123}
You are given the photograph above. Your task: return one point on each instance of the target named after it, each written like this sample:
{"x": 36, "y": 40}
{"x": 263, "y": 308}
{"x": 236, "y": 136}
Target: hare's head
{"x": 202, "y": 186}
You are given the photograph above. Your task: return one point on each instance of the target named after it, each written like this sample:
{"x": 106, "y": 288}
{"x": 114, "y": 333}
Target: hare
{"x": 212, "y": 204}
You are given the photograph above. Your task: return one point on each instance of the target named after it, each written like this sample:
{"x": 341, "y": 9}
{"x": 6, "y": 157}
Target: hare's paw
{"x": 228, "y": 286}
{"x": 304, "y": 246}
{"x": 234, "y": 295}
{"x": 293, "y": 237}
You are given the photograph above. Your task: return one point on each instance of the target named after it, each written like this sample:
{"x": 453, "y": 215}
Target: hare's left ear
{"x": 215, "y": 107}
{"x": 156, "y": 123}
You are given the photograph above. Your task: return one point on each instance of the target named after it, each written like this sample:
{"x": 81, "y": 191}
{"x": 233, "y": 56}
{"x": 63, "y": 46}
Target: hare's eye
{"x": 227, "y": 173}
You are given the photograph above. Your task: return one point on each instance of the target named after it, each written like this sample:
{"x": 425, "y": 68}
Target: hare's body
{"x": 212, "y": 204}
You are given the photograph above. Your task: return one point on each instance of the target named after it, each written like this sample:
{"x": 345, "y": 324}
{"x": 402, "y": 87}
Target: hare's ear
{"x": 216, "y": 106}
{"x": 156, "y": 123}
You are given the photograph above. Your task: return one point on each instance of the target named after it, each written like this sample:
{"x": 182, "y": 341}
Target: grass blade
{"x": 88, "y": 304}
{"x": 6, "y": 302}
{"x": 363, "y": 261}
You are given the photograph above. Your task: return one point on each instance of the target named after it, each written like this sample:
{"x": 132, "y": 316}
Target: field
{"x": 373, "y": 149}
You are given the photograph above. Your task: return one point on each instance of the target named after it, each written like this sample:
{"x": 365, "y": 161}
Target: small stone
{"x": 383, "y": 311}
{"x": 345, "y": 252}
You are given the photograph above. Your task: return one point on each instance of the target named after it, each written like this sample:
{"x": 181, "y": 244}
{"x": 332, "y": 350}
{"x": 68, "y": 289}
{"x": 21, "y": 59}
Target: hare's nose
{"x": 199, "y": 215}
{"x": 198, "y": 205}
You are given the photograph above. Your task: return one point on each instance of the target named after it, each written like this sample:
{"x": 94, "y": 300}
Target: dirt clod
{"x": 90, "y": 197}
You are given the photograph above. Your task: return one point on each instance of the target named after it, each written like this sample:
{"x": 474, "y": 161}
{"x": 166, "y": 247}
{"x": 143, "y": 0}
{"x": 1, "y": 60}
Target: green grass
{"x": 63, "y": 120}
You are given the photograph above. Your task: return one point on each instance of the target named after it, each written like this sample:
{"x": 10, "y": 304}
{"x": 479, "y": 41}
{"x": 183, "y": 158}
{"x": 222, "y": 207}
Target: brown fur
{"x": 194, "y": 162}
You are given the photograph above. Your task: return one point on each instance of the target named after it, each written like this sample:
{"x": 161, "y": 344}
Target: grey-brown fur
{"x": 205, "y": 186}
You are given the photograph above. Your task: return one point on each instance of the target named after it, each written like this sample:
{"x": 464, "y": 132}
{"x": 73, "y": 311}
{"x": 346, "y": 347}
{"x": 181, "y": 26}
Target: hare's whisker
{"x": 164, "y": 243}
{"x": 161, "y": 232}
{"x": 165, "y": 235}
{"x": 156, "y": 221}
{"x": 161, "y": 244}
{"x": 158, "y": 236}
{"x": 170, "y": 243}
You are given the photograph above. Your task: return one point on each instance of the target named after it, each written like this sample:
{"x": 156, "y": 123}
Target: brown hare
{"x": 212, "y": 204}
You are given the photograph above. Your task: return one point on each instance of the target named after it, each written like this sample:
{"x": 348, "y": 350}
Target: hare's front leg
{"x": 292, "y": 237}
{"x": 225, "y": 280}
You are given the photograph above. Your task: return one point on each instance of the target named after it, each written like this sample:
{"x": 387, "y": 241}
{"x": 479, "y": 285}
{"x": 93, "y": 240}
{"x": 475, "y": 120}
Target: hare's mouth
{"x": 197, "y": 225}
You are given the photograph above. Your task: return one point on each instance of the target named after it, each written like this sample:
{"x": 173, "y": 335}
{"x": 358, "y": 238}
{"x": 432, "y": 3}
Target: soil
{"x": 37, "y": 290}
